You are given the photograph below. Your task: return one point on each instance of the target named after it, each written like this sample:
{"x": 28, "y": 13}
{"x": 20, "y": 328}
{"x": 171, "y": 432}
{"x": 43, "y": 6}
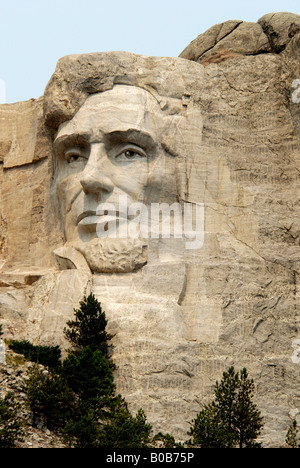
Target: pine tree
{"x": 225, "y": 401}
{"x": 89, "y": 327}
{"x": 248, "y": 421}
{"x": 232, "y": 419}
{"x": 208, "y": 430}
{"x": 11, "y": 425}
{"x": 124, "y": 430}
{"x": 49, "y": 397}
{"x": 292, "y": 438}
{"x": 89, "y": 374}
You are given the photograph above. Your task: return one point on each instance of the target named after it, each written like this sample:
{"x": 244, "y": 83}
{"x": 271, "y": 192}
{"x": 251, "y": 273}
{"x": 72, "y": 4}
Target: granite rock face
{"x": 215, "y": 132}
{"x": 271, "y": 34}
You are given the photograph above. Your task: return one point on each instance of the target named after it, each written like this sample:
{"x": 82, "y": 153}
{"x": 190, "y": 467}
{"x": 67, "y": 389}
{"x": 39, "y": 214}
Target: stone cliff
{"x": 220, "y": 129}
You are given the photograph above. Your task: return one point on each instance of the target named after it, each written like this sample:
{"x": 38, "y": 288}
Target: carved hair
{"x": 78, "y": 76}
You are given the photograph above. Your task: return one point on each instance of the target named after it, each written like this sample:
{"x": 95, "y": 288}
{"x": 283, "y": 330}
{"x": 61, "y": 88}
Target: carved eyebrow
{"x": 138, "y": 137}
{"x": 75, "y": 139}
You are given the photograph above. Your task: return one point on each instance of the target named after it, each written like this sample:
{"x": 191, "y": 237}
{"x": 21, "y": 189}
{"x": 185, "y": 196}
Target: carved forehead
{"x": 122, "y": 108}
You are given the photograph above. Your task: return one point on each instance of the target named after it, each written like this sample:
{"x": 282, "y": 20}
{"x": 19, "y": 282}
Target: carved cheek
{"x": 67, "y": 189}
{"x": 131, "y": 180}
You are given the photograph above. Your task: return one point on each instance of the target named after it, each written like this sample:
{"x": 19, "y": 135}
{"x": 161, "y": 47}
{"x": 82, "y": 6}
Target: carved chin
{"x": 114, "y": 255}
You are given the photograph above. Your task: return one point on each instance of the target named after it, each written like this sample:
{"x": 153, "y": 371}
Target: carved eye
{"x": 132, "y": 154}
{"x": 73, "y": 156}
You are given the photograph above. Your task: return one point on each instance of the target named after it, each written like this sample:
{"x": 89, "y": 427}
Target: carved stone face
{"x": 111, "y": 148}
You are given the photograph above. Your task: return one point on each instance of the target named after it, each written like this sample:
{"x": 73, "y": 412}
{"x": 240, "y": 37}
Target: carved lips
{"x": 89, "y": 219}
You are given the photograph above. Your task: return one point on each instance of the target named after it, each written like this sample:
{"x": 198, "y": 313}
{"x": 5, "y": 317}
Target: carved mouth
{"x": 86, "y": 214}
{"x": 90, "y": 217}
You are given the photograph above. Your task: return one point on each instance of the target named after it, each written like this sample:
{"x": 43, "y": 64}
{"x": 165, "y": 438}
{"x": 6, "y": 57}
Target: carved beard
{"x": 113, "y": 255}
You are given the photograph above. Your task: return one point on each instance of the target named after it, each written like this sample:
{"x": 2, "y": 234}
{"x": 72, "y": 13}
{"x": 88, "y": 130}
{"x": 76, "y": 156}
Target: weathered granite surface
{"x": 220, "y": 128}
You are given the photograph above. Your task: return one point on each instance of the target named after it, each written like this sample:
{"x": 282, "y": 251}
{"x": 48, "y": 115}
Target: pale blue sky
{"x": 34, "y": 34}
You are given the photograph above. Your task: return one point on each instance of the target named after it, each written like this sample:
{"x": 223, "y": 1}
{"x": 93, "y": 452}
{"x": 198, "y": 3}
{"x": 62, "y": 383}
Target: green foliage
{"x": 248, "y": 421}
{"x": 208, "y": 431}
{"x": 292, "y": 437}
{"x": 89, "y": 375}
{"x": 83, "y": 431}
{"x": 48, "y": 356}
{"x": 11, "y": 426}
{"x": 166, "y": 440}
{"x": 120, "y": 430}
{"x": 126, "y": 431}
{"x": 49, "y": 397}
{"x": 232, "y": 419}
{"x": 1, "y": 331}
{"x": 89, "y": 327}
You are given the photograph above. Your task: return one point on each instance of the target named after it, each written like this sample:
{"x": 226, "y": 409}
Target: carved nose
{"x": 94, "y": 181}
{"x": 95, "y": 178}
